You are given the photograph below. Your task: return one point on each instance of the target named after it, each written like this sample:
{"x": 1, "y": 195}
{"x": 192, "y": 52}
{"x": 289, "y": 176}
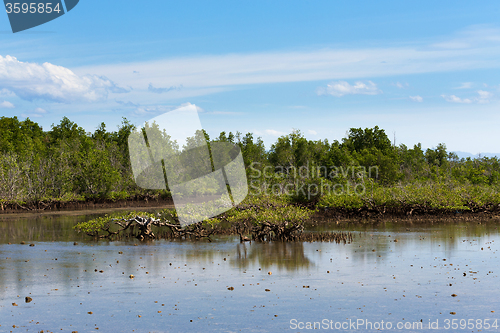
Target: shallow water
{"x": 398, "y": 273}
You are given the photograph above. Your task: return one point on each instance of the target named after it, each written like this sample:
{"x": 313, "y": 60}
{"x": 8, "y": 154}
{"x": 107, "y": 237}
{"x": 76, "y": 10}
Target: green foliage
{"x": 257, "y": 215}
{"x": 447, "y": 196}
{"x": 347, "y": 201}
{"x": 67, "y": 163}
{"x": 97, "y": 225}
{"x": 93, "y": 226}
{"x": 359, "y": 139}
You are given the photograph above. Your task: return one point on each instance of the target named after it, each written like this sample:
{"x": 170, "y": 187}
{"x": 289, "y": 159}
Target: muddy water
{"x": 397, "y": 274}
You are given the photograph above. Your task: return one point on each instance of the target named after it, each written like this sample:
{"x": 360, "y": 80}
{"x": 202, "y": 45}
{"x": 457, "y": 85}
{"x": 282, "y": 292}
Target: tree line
{"x": 68, "y": 163}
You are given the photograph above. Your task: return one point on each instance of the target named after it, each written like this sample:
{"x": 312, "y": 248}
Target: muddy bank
{"x": 375, "y": 214}
{"x": 95, "y": 205}
{"x": 407, "y": 212}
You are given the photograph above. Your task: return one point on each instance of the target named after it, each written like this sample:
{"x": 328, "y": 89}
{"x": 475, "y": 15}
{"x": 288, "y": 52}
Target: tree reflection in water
{"x": 286, "y": 255}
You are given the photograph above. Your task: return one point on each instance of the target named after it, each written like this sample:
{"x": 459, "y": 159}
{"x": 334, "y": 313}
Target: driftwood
{"x": 285, "y": 231}
{"x": 266, "y": 231}
{"x": 144, "y": 228}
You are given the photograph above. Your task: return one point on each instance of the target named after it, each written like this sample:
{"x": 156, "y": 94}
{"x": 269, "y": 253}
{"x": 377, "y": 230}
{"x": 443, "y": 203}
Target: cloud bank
{"x": 481, "y": 50}
{"x": 482, "y": 98}
{"x": 37, "y": 113}
{"x": 161, "y": 90}
{"x": 31, "y": 81}
{"x": 342, "y": 88}
{"x": 6, "y": 105}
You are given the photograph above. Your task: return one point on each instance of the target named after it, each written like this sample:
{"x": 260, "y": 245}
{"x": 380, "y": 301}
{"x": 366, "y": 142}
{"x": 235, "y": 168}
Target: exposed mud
{"x": 412, "y": 213}
{"x": 16, "y": 210}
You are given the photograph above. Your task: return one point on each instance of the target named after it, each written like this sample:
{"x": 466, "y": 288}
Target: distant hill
{"x": 463, "y": 154}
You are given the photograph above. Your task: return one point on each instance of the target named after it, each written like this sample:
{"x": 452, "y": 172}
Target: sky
{"x": 425, "y": 72}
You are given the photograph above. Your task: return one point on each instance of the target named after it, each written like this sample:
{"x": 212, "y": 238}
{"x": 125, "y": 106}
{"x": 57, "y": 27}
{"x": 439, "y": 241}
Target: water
{"x": 398, "y": 273}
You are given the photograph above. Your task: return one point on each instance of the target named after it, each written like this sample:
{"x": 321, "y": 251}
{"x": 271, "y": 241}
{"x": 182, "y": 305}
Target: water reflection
{"x": 289, "y": 256}
{"x": 392, "y": 270}
{"x": 41, "y": 228}
{"x": 372, "y": 240}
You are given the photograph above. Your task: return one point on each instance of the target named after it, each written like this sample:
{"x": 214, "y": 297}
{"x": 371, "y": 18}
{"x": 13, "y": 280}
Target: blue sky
{"x": 426, "y": 71}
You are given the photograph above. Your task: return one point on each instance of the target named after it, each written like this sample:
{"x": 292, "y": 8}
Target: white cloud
{"x": 32, "y": 81}
{"x": 455, "y": 99}
{"x": 209, "y": 74}
{"x": 162, "y": 90}
{"x": 400, "y": 85}
{"x": 274, "y": 132}
{"x": 470, "y": 37}
{"x": 6, "y": 105}
{"x": 129, "y": 103}
{"x": 37, "y": 113}
{"x": 484, "y": 97}
{"x": 209, "y": 71}
{"x": 157, "y": 109}
{"x": 6, "y": 93}
{"x": 417, "y": 98}
{"x": 342, "y": 88}
{"x": 484, "y": 94}
{"x": 465, "y": 85}
{"x": 152, "y": 109}
{"x": 313, "y": 132}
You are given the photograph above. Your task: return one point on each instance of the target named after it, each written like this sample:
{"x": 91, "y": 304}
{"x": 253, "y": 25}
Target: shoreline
{"x": 406, "y": 212}
{"x": 99, "y": 205}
